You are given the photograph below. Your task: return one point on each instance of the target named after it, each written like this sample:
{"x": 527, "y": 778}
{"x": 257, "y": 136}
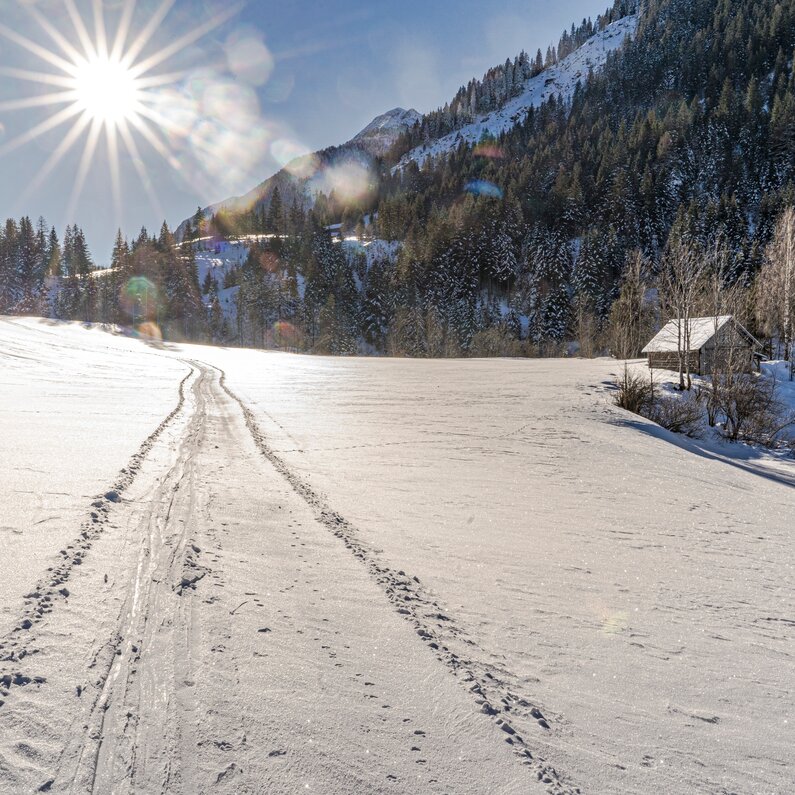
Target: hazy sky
{"x": 276, "y": 78}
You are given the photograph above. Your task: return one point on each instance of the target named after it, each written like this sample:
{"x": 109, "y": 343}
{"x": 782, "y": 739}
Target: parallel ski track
{"x": 104, "y": 752}
{"x": 51, "y": 588}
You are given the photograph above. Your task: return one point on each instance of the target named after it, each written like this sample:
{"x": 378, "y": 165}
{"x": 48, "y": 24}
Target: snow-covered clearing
{"x": 350, "y": 575}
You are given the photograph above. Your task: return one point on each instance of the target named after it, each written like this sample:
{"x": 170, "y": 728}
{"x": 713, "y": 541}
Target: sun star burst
{"x": 102, "y": 85}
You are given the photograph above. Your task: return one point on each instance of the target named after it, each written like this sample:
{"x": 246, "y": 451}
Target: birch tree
{"x": 631, "y": 318}
{"x": 680, "y": 282}
{"x": 721, "y": 297}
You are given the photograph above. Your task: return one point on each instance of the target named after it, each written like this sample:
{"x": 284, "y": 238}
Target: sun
{"x": 107, "y": 91}
{"x": 101, "y": 83}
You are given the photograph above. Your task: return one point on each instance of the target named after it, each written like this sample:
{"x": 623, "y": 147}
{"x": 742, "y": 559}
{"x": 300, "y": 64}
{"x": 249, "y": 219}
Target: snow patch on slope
{"x": 382, "y": 132}
{"x": 219, "y": 259}
{"x": 560, "y": 79}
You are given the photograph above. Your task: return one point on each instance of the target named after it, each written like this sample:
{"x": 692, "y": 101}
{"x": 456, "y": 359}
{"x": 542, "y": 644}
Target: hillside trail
{"x": 215, "y": 628}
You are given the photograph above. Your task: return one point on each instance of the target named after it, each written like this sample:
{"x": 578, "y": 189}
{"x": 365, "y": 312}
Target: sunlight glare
{"x": 106, "y": 90}
{"x": 107, "y": 84}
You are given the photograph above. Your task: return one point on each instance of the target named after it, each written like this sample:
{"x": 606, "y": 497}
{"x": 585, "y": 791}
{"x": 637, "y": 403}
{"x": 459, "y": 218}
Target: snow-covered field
{"x": 350, "y": 575}
{"x": 75, "y": 405}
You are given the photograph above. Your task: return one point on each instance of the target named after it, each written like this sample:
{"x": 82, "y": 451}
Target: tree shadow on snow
{"x": 738, "y": 455}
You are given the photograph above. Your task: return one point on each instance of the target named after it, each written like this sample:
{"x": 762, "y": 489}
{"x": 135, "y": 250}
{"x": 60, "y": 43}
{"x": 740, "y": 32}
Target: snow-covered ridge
{"x": 382, "y": 132}
{"x": 560, "y": 79}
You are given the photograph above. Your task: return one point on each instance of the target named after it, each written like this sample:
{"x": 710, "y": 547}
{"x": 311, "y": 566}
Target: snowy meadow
{"x": 482, "y": 560}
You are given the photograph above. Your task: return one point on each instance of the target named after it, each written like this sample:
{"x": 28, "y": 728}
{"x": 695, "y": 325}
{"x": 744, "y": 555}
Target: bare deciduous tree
{"x": 721, "y": 297}
{"x": 586, "y": 328}
{"x": 775, "y": 288}
{"x": 683, "y": 269}
{"x": 631, "y": 318}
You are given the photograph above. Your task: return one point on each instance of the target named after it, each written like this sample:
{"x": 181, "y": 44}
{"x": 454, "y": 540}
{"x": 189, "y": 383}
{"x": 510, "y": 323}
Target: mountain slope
{"x": 560, "y": 79}
{"x": 521, "y": 246}
{"x": 307, "y": 175}
{"x": 380, "y": 135}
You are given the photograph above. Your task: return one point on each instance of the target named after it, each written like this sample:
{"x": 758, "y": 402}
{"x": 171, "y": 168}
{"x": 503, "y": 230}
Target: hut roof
{"x": 702, "y": 330}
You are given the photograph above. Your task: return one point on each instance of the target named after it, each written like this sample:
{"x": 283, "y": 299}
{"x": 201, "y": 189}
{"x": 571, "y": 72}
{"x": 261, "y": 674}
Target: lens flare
{"x": 151, "y": 331}
{"x": 286, "y": 335}
{"x": 140, "y": 300}
{"x": 249, "y": 59}
{"x": 294, "y": 157}
{"x": 615, "y": 623}
{"x": 490, "y": 151}
{"x": 103, "y": 84}
{"x": 269, "y": 262}
{"x": 349, "y": 181}
{"x": 481, "y": 187}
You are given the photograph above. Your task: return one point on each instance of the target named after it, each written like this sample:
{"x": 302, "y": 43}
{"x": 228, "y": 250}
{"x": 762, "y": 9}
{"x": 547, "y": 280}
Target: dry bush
{"x": 677, "y": 414}
{"x": 494, "y": 342}
{"x": 683, "y": 415}
{"x": 634, "y": 393}
{"x": 752, "y": 410}
{"x": 747, "y": 404}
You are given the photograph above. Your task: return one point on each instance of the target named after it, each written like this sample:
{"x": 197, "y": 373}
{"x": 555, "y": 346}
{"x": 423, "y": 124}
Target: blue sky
{"x": 273, "y": 79}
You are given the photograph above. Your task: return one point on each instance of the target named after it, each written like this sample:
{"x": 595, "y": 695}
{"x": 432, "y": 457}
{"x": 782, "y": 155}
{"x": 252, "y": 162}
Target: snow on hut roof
{"x": 702, "y": 329}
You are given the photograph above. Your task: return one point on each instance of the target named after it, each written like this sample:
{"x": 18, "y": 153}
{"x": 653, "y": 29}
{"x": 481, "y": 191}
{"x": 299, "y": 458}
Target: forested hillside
{"x": 520, "y": 243}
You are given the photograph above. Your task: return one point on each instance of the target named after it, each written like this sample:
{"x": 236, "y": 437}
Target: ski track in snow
{"x": 220, "y": 624}
{"x": 487, "y": 684}
{"x": 131, "y": 726}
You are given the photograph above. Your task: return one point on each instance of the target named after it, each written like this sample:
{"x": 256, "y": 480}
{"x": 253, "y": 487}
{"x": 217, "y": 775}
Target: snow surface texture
{"x": 560, "y": 79}
{"x": 350, "y": 575}
{"x": 74, "y": 407}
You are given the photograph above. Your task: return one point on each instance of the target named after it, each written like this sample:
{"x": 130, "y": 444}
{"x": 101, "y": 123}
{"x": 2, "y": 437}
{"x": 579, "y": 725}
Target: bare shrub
{"x": 752, "y": 410}
{"x": 634, "y": 392}
{"x": 683, "y": 415}
{"x": 677, "y": 414}
{"x": 494, "y": 342}
{"x": 746, "y": 405}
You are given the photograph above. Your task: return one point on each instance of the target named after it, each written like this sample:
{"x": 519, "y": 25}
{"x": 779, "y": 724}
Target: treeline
{"x": 691, "y": 127}
{"x": 304, "y": 289}
{"x": 522, "y": 244}
{"x": 41, "y": 276}
{"x": 151, "y": 281}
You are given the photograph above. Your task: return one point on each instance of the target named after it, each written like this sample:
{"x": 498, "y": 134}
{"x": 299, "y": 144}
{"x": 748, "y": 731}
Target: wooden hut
{"x": 715, "y": 344}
